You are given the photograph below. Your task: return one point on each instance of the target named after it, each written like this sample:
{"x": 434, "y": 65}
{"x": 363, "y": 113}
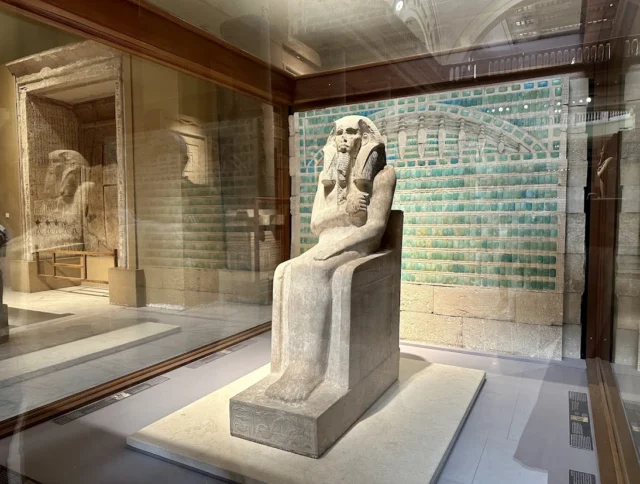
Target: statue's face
{"x": 348, "y": 136}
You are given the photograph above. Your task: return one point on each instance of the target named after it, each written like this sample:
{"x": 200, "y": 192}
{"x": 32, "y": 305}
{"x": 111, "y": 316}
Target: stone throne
{"x": 363, "y": 358}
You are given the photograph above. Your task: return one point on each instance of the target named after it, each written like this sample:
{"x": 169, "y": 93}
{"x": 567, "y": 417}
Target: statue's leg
{"x": 280, "y": 320}
{"x": 309, "y": 315}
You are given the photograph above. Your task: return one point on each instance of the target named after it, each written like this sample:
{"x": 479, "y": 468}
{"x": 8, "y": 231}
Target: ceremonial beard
{"x": 344, "y": 160}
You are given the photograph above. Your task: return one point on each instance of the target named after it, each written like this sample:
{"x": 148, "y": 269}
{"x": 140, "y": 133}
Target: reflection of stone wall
{"x": 627, "y": 280}
{"x": 97, "y": 143}
{"x": 489, "y": 211}
{"x": 50, "y": 127}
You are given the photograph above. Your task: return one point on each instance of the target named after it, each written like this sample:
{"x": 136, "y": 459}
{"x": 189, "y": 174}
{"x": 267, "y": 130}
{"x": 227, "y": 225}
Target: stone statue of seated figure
{"x": 336, "y": 308}
{"x": 350, "y": 214}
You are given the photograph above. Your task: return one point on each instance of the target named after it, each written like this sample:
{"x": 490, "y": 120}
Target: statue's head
{"x": 348, "y": 135}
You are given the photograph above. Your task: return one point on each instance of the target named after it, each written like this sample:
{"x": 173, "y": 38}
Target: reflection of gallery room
{"x": 308, "y": 241}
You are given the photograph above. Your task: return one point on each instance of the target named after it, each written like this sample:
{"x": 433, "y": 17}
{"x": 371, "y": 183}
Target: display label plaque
{"x": 577, "y": 477}
{"x": 579, "y": 422}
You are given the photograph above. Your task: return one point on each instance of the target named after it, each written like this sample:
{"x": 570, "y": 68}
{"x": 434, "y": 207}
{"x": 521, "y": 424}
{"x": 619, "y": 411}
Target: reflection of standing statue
{"x": 325, "y": 343}
{"x": 63, "y": 209}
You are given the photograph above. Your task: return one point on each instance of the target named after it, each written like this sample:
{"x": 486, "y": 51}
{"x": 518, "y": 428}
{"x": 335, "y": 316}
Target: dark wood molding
{"x": 629, "y": 464}
{"x": 140, "y": 29}
{"x": 601, "y": 226}
{"x": 351, "y": 86}
{"x": 617, "y": 459}
{"x": 73, "y": 402}
{"x": 608, "y": 463}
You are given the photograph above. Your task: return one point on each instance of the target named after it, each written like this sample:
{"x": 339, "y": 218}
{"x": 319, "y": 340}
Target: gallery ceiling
{"x": 333, "y": 34}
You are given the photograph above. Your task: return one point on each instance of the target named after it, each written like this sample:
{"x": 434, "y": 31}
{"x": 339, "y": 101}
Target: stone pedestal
{"x": 405, "y": 436}
{"x": 127, "y": 287}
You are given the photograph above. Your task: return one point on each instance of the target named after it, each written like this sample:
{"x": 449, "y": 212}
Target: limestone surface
{"x": 404, "y": 437}
{"x": 335, "y": 308}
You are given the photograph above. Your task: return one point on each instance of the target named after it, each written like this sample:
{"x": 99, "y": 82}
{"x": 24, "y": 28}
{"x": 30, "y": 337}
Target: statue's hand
{"x": 357, "y": 202}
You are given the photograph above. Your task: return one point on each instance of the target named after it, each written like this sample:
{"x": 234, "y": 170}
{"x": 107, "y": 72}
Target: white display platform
{"x": 29, "y": 365}
{"x": 405, "y": 436}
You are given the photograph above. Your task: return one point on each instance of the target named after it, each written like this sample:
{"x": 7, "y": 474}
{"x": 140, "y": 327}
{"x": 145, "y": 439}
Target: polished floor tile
{"x": 516, "y": 433}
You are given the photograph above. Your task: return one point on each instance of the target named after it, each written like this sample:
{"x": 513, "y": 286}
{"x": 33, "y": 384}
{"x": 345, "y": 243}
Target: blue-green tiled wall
{"x": 495, "y": 220}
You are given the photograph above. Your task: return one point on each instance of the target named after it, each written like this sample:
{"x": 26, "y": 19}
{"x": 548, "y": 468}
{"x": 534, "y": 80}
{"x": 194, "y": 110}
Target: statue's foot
{"x": 294, "y": 385}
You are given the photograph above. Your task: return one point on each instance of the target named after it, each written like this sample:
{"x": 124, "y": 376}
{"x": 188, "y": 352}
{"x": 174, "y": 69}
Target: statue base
{"x": 405, "y": 436}
{"x": 314, "y": 426}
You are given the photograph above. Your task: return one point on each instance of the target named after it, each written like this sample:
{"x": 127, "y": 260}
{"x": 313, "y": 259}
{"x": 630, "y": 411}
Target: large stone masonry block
{"x": 575, "y": 233}
{"x": 626, "y": 347}
{"x": 431, "y": 329}
{"x": 577, "y": 177}
{"x": 575, "y": 200}
{"x": 572, "y": 307}
{"x": 627, "y": 312}
{"x": 544, "y": 308}
{"x": 577, "y": 148}
{"x": 629, "y": 234}
{"x": 628, "y": 275}
{"x": 574, "y": 278}
{"x": 127, "y": 287}
{"x": 499, "y": 304}
{"x": 629, "y": 172}
{"x": 571, "y": 341}
{"x": 487, "y": 335}
{"x": 630, "y": 202}
{"x": 577, "y": 123}
{"x": 416, "y": 298}
{"x": 203, "y": 280}
{"x": 537, "y": 341}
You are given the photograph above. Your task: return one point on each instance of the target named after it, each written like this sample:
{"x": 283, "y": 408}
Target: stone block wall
{"x": 627, "y": 271}
{"x": 491, "y": 181}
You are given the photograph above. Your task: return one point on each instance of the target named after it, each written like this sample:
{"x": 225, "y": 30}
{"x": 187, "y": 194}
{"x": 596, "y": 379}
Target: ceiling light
{"x": 399, "y": 5}
{"x": 588, "y": 99}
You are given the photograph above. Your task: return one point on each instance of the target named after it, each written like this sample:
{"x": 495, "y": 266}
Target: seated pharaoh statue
{"x": 335, "y": 307}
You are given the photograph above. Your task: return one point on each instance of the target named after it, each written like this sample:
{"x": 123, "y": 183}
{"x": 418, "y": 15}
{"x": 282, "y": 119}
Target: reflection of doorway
{"x": 70, "y": 132}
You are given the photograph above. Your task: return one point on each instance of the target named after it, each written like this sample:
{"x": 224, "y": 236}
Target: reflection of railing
{"x": 622, "y": 120}
{"x": 588, "y": 53}
{"x": 72, "y": 253}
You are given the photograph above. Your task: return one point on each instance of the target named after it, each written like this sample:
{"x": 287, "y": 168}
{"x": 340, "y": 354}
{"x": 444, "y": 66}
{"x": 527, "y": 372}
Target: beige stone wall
{"x": 627, "y": 272}
{"x": 19, "y": 37}
{"x": 10, "y": 197}
{"x": 502, "y": 321}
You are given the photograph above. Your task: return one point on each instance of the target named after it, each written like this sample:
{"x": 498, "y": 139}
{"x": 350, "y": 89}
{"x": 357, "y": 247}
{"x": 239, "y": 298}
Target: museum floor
{"x": 518, "y": 430}
{"x": 65, "y": 341}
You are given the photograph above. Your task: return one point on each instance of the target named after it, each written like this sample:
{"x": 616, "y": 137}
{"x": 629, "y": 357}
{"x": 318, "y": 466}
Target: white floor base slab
{"x": 29, "y": 365}
{"x": 405, "y": 436}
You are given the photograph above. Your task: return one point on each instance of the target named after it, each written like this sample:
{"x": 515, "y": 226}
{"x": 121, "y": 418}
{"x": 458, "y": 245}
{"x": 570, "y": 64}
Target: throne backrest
{"x": 392, "y": 238}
